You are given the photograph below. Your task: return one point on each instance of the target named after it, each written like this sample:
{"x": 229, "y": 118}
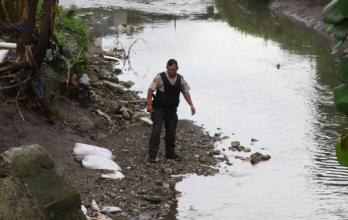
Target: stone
{"x": 235, "y": 143}
{"x": 37, "y": 189}
{"x": 153, "y": 199}
{"x": 257, "y": 157}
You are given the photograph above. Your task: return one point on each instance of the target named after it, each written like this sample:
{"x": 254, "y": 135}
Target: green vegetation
{"x": 68, "y": 26}
{"x": 72, "y": 33}
{"x": 336, "y": 17}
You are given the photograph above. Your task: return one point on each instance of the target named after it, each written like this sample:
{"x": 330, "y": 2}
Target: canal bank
{"x": 305, "y": 12}
{"x": 231, "y": 61}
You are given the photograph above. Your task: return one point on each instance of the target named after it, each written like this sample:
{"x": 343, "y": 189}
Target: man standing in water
{"x": 163, "y": 107}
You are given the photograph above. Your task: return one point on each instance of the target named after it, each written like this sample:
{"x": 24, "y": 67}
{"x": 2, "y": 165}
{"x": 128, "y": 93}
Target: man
{"x": 163, "y": 107}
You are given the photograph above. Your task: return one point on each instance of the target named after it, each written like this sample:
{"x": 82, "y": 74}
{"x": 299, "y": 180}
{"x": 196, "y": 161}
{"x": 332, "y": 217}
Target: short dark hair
{"x": 172, "y": 62}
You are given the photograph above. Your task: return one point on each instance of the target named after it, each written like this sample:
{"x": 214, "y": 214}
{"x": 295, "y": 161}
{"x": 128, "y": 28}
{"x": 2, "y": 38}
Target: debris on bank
{"x": 97, "y": 158}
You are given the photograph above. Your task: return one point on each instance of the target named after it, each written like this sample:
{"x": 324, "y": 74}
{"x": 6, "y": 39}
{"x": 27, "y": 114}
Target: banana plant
{"x": 335, "y": 16}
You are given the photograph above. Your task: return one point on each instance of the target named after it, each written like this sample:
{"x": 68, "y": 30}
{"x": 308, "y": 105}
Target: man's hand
{"x": 149, "y": 100}
{"x": 149, "y": 108}
{"x": 193, "y": 110}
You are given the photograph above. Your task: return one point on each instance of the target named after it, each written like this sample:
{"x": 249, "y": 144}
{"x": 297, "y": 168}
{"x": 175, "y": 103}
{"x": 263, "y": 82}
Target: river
{"x": 230, "y": 60}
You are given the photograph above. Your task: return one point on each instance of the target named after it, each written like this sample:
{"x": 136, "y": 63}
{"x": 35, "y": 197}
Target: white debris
{"x": 111, "y": 58}
{"x": 84, "y": 79}
{"x": 8, "y": 45}
{"x": 111, "y": 209}
{"x": 84, "y": 209}
{"x": 104, "y": 115}
{"x": 116, "y": 175}
{"x": 86, "y": 149}
{"x": 3, "y": 54}
{"x": 146, "y": 120}
{"x": 100, "y": 163}
{"x": 95, "y": 206}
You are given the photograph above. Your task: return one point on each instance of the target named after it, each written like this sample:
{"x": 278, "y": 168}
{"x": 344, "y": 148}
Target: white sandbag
{"x": 86, "y": 149}
{"x": 116, "y": 175}
{"x": 3, "y": 54}
{"x": 100, "y": 163}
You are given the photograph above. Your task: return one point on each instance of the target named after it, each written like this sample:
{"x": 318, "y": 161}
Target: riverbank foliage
{"x": 335, "y": 16}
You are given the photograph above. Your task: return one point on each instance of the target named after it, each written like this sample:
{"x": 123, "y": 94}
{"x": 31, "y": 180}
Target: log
{"x": 8, "y": 45}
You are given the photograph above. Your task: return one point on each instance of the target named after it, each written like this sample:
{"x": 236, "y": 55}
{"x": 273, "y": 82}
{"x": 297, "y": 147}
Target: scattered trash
{"x": 112, "y": 58}
{"x": 146, "y": 121}
{"x": 3, "y": 54}
{"x": 86, "y": 150}
{"x": 116, "y": 175}
{"x": 111, "y": 209}
{"x": 100, "y": 163}
{"x": 84, "y": 80}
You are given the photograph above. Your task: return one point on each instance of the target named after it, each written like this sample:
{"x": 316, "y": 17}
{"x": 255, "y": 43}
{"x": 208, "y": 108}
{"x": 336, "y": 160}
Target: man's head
{"x": 172, "y": 67}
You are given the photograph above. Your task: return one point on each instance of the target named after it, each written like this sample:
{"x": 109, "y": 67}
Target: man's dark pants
{"x": 170, "y": 119}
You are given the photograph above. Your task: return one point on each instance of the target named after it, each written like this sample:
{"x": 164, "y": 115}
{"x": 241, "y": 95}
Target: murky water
{"x": 230, "y": 61}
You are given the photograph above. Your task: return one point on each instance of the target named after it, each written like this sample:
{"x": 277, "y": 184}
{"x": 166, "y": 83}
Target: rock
{"x": 254, "y": 140}
{"x": 168, "y": 171}
{"x": 229, "y": 163}
{"x": 235, "y": 144}
{"x": 36, "y": 187}
{"x": 216, "y": 152}
{"x": 153, "y": 199}
{"x": 257, "y": 157}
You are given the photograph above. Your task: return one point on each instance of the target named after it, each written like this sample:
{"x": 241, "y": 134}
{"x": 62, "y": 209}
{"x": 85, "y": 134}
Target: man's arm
{"x": 149, "y": 100}
{"x": 188, "y": 99}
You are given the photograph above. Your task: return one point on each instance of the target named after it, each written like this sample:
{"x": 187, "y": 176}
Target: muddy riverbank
{"x": 305, "y": 12}
{"x": 110, "y": 117}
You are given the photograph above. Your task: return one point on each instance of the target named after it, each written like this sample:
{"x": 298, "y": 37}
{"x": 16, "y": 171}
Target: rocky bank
{"x": 305, "y": 12}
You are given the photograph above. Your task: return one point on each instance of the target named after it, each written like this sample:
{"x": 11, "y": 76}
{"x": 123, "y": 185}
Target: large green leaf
{"x": 343, "y": 70}
{"x": 343, "y": 4}
{"x": 342, "y": 151}
{"x": 341, "y": 98}
{"x": 332, "y": 12}
{"x": 340, "y": 30}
